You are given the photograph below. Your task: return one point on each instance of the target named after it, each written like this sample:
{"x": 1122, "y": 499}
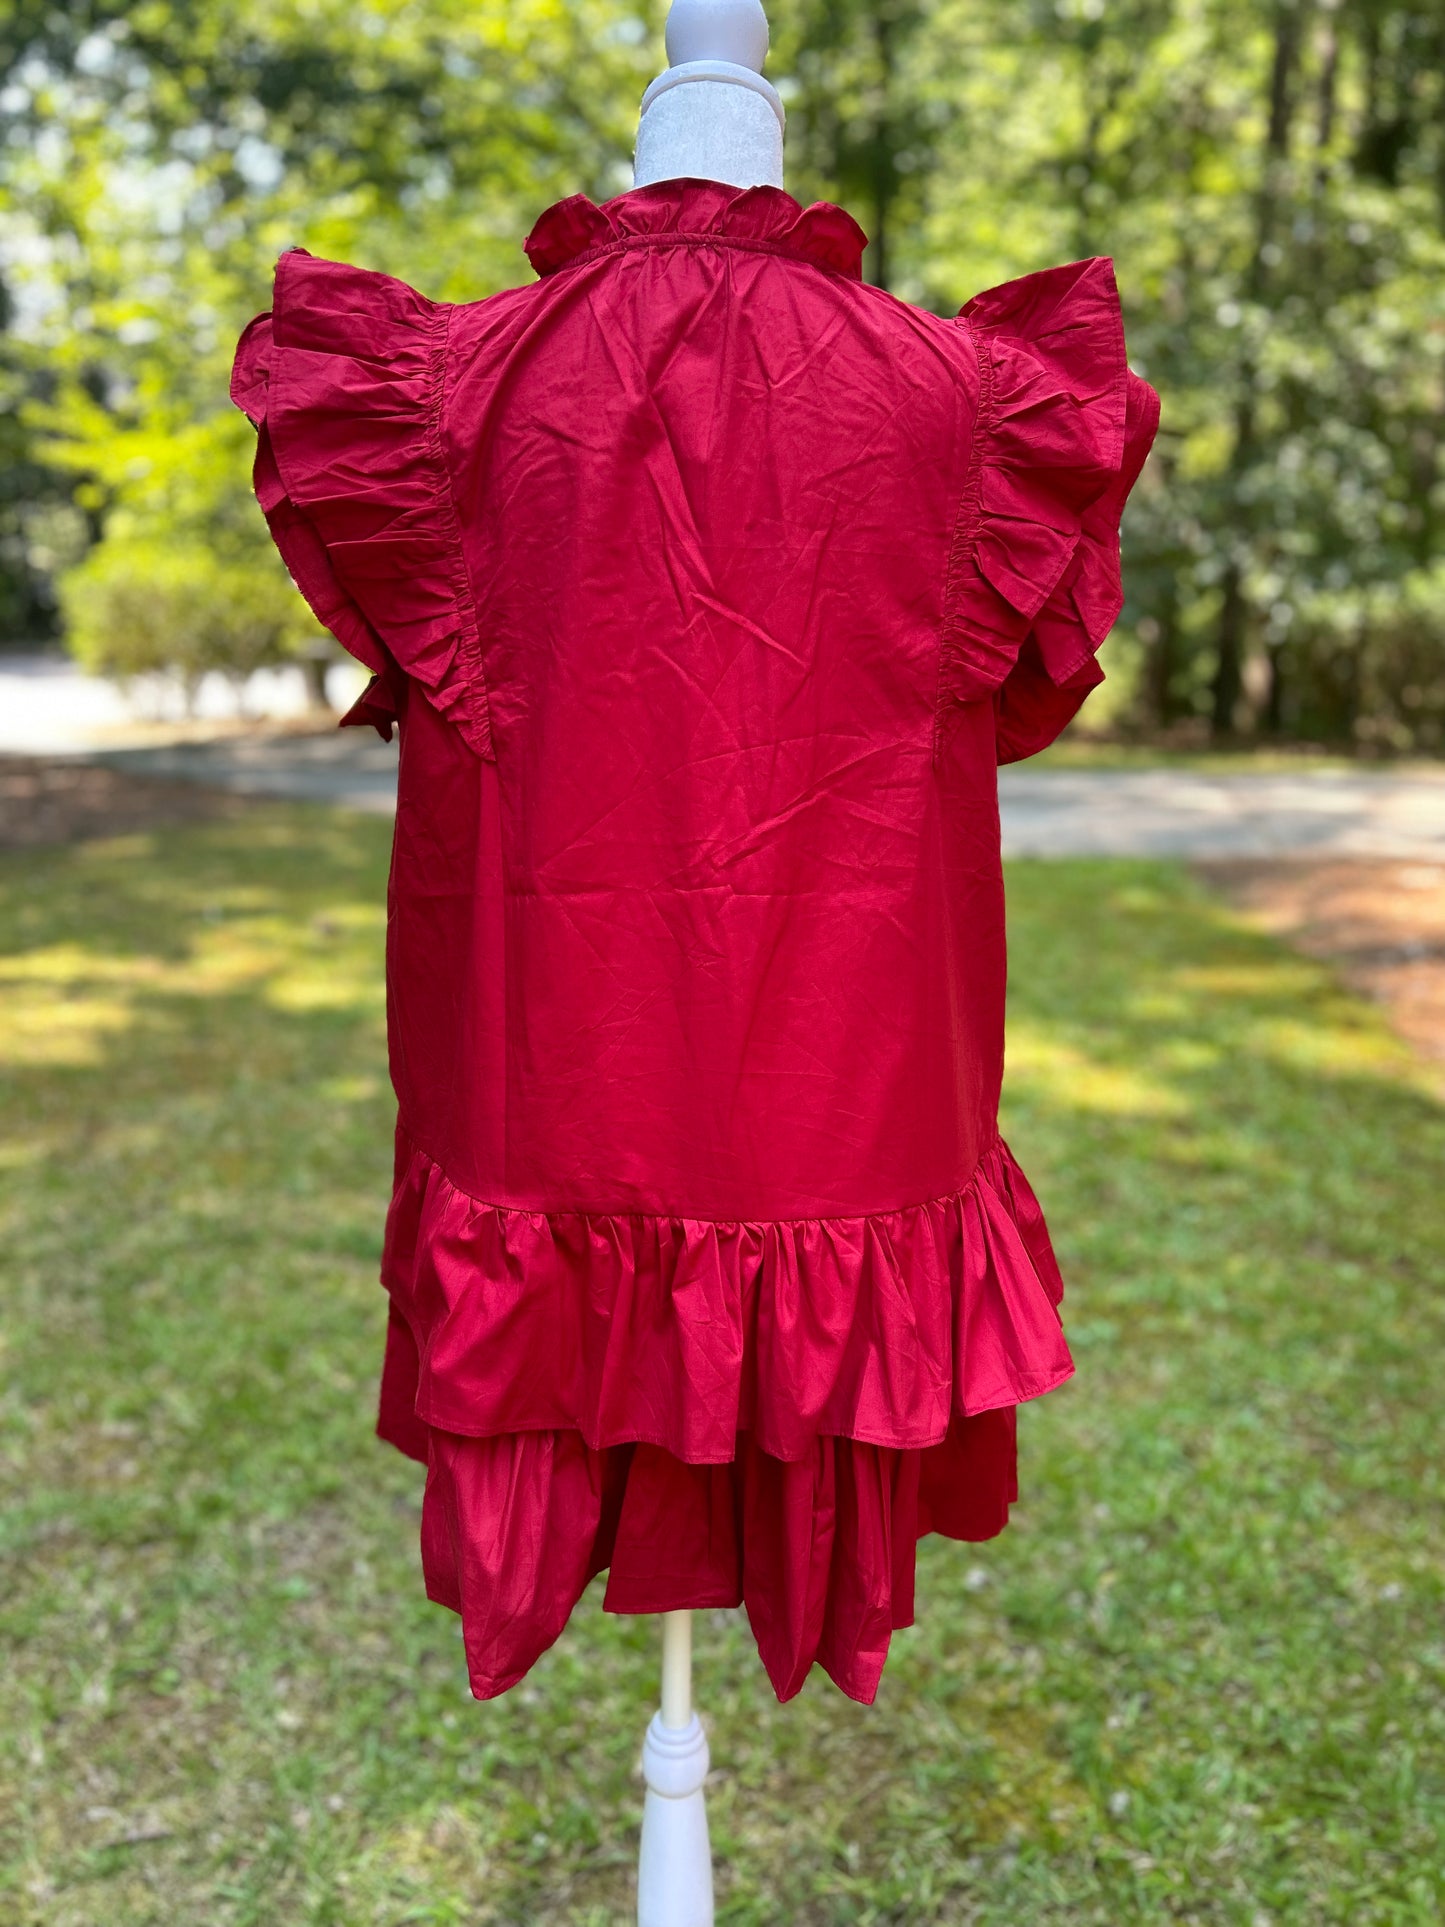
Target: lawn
{"x": 1200, "y": 1678}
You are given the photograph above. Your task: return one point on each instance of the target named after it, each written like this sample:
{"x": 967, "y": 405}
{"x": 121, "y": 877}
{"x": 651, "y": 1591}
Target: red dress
{"x": 709, "y": 584}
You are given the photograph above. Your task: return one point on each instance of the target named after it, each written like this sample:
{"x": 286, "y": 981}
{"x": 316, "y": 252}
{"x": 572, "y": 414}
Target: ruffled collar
{"x": 765, "y": 217}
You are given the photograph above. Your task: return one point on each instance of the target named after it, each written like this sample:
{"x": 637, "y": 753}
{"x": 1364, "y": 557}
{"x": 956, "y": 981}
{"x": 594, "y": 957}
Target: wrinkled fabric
{"x": 709, "y": 585}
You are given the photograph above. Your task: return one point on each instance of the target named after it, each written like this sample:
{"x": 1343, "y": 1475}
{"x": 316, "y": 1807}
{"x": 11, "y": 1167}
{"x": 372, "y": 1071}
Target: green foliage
{"x": 137, "y": 607}
{"x": 1270, "y": 178}
{"x": 163, "y": 156}
{"x": 1268, "y": 174}
{"x": 1200, "y": 1678}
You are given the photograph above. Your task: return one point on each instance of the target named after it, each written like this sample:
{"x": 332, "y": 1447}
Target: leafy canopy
{"x": 1269, "y": 176}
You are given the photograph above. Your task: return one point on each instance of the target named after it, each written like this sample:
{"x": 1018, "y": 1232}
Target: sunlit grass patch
{"x": 43, "y": 1025}
{"x": 207, "y": 937}
{"x": 1063, "y": 1075}
{"x": 1201, "y": 1677}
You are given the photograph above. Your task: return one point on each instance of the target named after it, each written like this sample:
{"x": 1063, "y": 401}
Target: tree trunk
{"x": 1164, "y": 659}
{"x": 1229, "y": 669}
{"x": 1289, "y": 22}
{"x": 1274, "y": 700}
{"x": 883, "y": 176}
{"x": 314, "y": 669}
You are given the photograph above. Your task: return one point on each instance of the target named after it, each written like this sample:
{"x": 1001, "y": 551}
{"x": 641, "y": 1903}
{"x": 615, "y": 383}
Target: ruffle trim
{"x": 343, "y": 381}
{"x": 682, "y": 1333}
{"x": 1034, "y": 580}
{"x": 690, "y": 208}
{"x": 820, "y": 1551}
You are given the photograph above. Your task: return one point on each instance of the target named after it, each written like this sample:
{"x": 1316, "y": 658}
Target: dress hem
{"x": 680, "y": 1333}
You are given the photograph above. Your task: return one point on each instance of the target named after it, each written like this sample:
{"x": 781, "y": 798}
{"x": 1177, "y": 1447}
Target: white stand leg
{"x": 674, "y": 1874}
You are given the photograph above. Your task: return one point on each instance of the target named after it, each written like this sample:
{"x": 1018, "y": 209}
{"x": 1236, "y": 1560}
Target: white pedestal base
{"x": 674, "y": 1873}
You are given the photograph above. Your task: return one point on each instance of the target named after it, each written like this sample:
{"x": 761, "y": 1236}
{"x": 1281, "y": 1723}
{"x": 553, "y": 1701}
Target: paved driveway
{"x": 352, "y": 767}
{"x": 1143, "y": 812}
{"x": 1175, "y": 812}
{"x": 49, "y": 708}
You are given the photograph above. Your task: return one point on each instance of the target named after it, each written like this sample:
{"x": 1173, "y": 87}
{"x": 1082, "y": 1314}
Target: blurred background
{"x": 1268, "y": 174}
{"x": 1201, "y": 1677}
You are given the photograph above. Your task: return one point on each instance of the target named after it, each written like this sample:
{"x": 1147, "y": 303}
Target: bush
{"x": 142, "y": 607}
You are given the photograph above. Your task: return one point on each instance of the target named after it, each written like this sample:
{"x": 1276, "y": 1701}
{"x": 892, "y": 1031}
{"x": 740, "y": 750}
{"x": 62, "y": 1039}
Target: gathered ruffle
{"x": 821, "y": 1551}
{"x": 691, "y": 208}
{"x": 682, "y": 1332}
{"x": 343, "y": 380}
{"x": 1035, "y": 582}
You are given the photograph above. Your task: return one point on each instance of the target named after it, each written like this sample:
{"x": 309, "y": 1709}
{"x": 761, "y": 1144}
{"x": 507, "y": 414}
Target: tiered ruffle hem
{"x": 720, "y": 1413}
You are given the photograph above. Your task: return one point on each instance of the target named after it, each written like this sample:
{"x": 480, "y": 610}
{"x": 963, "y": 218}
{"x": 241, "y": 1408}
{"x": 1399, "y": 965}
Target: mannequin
{"x": 709, "y": 116}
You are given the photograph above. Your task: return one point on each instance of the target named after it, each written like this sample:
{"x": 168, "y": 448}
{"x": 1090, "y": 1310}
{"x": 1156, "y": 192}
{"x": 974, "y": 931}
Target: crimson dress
{"x": 709, "y": 585}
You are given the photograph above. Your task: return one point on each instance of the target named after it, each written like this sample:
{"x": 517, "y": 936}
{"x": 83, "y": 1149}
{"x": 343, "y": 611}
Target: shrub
{"x": 142, "y": 607}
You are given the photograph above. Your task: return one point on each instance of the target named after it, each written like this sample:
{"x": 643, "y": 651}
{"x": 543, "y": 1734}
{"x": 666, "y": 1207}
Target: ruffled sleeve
{"x": 1064, "y": 426}
{"x": 343, "y": 381}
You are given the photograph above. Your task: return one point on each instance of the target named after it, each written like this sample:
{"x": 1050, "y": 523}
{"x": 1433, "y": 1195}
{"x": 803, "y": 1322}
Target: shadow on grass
{"x": 1201, "y": 1676}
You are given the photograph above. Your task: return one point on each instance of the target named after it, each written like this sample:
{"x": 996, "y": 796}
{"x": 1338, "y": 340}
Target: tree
{"x": 862, "y": 123}
{"x": 1268, "y": 174}
{"x": 1269, "y": 178}
{"x": 172, "y": 149}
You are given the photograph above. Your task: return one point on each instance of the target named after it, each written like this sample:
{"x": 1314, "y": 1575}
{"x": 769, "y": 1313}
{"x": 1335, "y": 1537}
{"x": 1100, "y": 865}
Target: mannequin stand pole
{"x": 674, "y": 1872}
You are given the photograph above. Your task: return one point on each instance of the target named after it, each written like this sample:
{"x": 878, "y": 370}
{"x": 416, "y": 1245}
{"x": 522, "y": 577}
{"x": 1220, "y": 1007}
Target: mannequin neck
{"x": 712, "y": 121}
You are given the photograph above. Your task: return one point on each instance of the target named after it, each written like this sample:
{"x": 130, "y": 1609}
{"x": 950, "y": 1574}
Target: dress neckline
{"x": 689, "y": 209}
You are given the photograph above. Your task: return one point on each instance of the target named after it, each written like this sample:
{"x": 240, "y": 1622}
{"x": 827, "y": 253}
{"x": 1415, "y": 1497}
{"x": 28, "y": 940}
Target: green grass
{"x": 1200, "y": 1678}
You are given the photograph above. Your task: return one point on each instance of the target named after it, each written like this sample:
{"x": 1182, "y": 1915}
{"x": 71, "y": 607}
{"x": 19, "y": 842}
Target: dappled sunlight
{"x": 63, "y": 1003}
{"x": 1137, "y": 898}
{"x": 63, "y": 965}
{"x": 213, "y": 1572}
{"x": 1271, "y": 979}
{"x": 1174, "y": 999}
{"x": 51, "y": 1027}
{"x": 17, "y": 1153}
{"x": 1219, "y": 1150}
{"x": 1186, "y": 1055}
{"x": 1063, "y": 1075}
{"x": 325, "y": 985}
{"x": 1157, "y": 1007}
{"x": 131, "y": 1138}
{"x": 348, "y": 1090}
{"x": 1338, "y": 1050}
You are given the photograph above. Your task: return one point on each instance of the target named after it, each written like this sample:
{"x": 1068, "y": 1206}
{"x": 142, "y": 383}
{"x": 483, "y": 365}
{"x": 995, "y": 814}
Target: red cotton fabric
{"x": 709, "y": 585}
